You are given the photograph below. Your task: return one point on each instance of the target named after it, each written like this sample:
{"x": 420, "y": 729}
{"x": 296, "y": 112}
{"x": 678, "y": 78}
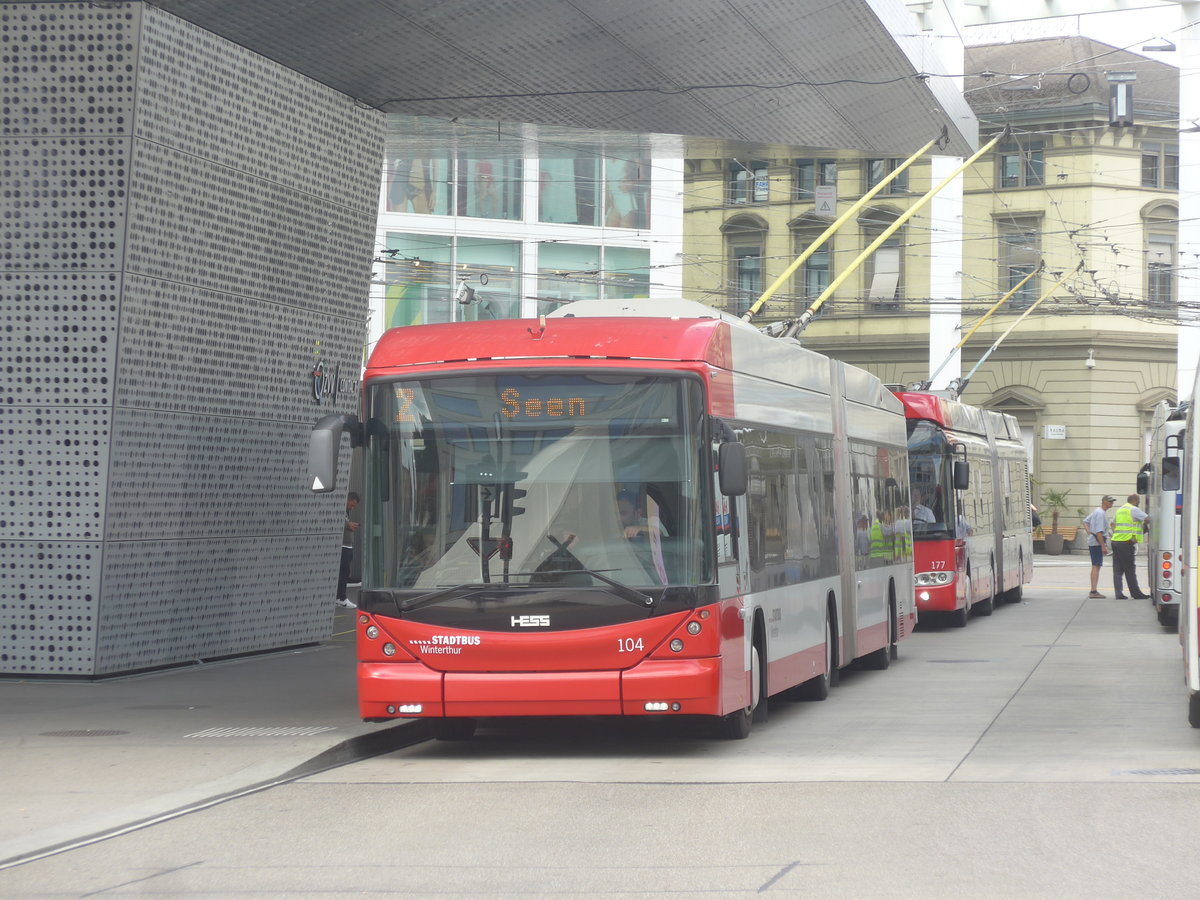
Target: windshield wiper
{"x": 636, "y": 597}
{"x": 444, "y": 593}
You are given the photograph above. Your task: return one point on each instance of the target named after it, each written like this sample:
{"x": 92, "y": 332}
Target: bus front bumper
{"x": 653, "y": 687}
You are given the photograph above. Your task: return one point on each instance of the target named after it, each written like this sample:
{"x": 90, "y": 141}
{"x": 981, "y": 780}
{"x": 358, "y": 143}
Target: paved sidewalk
{"x": 85, "y": 758}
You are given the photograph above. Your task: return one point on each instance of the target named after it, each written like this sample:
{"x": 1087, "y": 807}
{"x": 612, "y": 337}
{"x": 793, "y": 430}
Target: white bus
{"x": 1159, "y": 483}
{"x": 1189, "y": 607}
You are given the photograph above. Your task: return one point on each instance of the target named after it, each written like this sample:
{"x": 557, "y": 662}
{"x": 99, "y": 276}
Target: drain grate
{"x": 85, "y": 732}
{"x": 249, "y": 731}
{"x": 1157, "y": 772}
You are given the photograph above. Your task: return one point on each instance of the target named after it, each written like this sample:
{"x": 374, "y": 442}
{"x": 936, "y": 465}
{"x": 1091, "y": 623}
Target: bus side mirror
{"x": 323, "y": 445}
{"x": 962, "y": 474}
{"x": 731, "y": 464}
{"x": 1143, "y": 479}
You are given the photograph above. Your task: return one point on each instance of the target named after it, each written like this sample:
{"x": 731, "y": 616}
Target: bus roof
{"x": 957, "y": 416}
{"x": 658, "y": 339}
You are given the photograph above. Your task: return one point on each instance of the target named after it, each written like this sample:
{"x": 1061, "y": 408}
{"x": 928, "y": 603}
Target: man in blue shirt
{"x": 1096, "y": 526}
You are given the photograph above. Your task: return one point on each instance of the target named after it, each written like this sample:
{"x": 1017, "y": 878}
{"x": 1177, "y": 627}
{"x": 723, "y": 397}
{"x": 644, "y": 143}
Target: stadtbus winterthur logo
{"x": 324, "y": 384}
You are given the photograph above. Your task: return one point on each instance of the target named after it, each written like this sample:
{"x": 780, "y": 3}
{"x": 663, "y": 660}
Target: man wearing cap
{"x": 1096, "y": 526}
{"x": 1127, "y": 531}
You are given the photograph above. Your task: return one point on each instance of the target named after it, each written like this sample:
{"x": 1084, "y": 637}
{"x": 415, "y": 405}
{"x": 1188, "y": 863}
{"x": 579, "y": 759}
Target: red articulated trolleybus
{"x": 628, "y": 508}
{"x": 973, "y": 543}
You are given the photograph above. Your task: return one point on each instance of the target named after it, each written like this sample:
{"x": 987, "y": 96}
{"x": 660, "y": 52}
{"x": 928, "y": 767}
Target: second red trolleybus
{"x": 972, "y": 537}
{"x": 631, "y": 509}
{"x": 1160, "y": 481}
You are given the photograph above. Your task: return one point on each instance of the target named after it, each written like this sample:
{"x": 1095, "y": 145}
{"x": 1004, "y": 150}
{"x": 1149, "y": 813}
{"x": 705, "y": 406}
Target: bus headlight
{"x": 933, "y": 579}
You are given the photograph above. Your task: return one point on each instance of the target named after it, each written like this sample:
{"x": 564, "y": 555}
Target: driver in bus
{"x": 921, "y": 514}
{"x": 633, "y": 523}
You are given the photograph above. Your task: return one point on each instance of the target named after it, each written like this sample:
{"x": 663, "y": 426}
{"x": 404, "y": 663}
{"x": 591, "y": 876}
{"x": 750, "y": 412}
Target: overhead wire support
{"x": 959, "y": 385}
{"x": 841, "y": 220}
{"x": 925, "y": 385}
{"x": 803, "y": 321}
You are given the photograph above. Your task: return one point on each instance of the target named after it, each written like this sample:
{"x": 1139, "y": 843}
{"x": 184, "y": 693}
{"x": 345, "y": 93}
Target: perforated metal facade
{"x": 186, "y": 224}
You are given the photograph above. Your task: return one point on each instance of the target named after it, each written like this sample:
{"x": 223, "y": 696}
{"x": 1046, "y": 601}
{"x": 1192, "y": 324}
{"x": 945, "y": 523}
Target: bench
{"x": 1068, "y": 533}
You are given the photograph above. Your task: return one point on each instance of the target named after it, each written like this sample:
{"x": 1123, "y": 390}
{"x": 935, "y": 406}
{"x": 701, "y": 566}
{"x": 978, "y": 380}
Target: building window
{"x": 1160, "y": 166}
{"x": 627, "y": 193}
{"x": 1161, "y": 226}
{"x": 418, "y": 185}
{"x": 875, "y": 170}
{"x": 1022, "y": 165}
{"x": 569, "y": 190}
{"x": 747, "y": 277}
{"x": 812, "y": 279}
{"x": 813, "y": 173}
{"x": 566, "y": 273}
{"x": 626, "y": 273}
{"x": 489, "y": 188}
{"x": 748, "y": 183}
{"x": 1019, "y": 254}
{"x": 883, "y": 272}
{"x": 424, "y": 271}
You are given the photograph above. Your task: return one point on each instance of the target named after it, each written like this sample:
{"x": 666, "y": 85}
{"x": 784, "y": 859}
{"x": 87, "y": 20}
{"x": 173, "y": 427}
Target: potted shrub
{"x": 1054, "y": 502}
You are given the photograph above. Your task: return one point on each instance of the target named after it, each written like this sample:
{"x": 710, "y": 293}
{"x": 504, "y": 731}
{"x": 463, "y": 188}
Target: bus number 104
{"x": 630, "y": 645}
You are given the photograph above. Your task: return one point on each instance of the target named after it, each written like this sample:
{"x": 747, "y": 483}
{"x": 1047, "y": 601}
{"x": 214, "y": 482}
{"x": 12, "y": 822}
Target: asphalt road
{"x": 1041, "y": 752}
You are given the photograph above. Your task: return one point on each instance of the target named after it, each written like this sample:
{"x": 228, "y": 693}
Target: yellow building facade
{"x": 1064, "y": 193}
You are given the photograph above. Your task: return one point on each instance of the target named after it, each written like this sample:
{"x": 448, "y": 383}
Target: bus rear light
{"x": 389, "y": 649}
{"x": 677, "y": 645}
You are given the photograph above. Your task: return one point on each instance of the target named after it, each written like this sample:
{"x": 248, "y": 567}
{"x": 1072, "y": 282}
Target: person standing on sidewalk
{"x": 1096, "y": 526}
{"x": 1127, "y": 531}
{"x": 347, "y": 552}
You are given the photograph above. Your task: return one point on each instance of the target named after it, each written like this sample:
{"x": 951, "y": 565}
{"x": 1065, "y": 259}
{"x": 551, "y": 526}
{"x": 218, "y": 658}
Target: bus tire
{"x": 817, "y": 688}
{"x": 1194, "y": 710}
{"x": 987, "y": 606}
{"x": 878, "y": 660}
{"x": 1168, "y": 615}
{"x": 736, "y": 726}
{"x": 454, "y": 729}
{"x": 959, "y": 617}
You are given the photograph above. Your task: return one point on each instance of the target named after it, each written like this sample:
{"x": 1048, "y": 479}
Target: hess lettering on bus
{"x": 536, "y": 407}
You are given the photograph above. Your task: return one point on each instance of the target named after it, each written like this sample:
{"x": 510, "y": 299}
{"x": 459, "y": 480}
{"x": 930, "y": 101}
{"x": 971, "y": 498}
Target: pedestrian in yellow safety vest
{"x": 1127, "y": 531}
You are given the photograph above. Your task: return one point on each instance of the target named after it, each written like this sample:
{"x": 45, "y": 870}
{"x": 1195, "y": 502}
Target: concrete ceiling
{"x": 836, "y": 74}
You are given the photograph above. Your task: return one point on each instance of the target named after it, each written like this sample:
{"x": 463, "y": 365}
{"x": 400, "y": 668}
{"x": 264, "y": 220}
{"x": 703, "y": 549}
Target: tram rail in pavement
{"x": 86, "y": 759}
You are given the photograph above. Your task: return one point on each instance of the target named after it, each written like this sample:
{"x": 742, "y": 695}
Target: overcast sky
{"x": 1128, "y": 29}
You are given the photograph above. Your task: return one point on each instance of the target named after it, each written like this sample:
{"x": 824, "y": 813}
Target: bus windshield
{"x": 576, "y": 480}
{"x": 930, "y": 465}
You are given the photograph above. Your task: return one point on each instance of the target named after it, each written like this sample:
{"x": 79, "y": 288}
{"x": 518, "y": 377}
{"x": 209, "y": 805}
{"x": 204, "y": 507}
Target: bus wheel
{"x": 1168, "y": 615}
{"x": 1194, "y": 711}
{"x": 818, "y": 688}
{"x": 959, "y": 617}
{"x": 878, "y": 660}
{"x": 736, "y": 725}
{"x": 988, "y": 606}
{"x": 454, "y": 729}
